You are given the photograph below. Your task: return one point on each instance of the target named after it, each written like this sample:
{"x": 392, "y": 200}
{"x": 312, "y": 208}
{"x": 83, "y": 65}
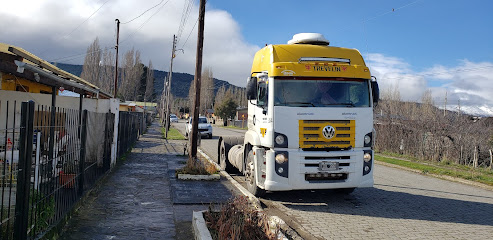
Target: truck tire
{"x": 223, "y": 156}
{"x": 250, "y": 176}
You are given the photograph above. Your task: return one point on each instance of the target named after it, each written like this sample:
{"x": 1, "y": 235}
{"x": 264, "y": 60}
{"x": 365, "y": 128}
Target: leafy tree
{"x": 227, "y": 109}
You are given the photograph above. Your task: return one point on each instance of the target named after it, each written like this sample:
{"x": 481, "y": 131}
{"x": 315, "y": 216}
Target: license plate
{"x": 328, "y": 166}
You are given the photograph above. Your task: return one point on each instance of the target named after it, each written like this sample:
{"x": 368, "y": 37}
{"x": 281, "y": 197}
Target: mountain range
{"x": 179, "y": 86}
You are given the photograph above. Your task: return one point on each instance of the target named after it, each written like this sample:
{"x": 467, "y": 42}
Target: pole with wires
{"x": 116, "y": 63}
{"x": 168, "y": 105}
{"x": 198, "y": 76}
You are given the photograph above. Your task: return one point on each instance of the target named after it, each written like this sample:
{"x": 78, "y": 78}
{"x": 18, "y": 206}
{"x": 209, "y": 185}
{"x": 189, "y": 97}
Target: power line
{"x": 131, "y": 35}
{"x": 75, "y": 29}
{"x": 390, "y": 11}
{"x": 86, "y": 20}
{"x": 192, "y": 29}
{"x": 190, "y": 33}
{"x": 377, "y": 16}
{"x": 68, "y": 58}
{"x": 187, "y": 7}
{"x": 144, "y": 12}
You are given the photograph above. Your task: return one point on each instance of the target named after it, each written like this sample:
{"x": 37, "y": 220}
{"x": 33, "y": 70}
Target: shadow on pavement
{"x": 380, "y": 203}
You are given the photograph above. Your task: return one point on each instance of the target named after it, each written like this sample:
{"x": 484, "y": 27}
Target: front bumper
{"x": 304, "y": 170}
{"x": 205, "y": 132}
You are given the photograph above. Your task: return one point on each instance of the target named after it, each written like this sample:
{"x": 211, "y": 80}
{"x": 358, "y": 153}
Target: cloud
{"x": 395, "y": 73}
{"x": 62, "y": 31}
{"x": 467, "y": 84}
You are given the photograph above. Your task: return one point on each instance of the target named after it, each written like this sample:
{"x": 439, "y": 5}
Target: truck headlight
{"x": 281, "y": 158}
{"x": 280, "y": 140}
{"x": 368, "y": 140}
{"x": 281, "y": 163}
{"x": 368, "y": 161}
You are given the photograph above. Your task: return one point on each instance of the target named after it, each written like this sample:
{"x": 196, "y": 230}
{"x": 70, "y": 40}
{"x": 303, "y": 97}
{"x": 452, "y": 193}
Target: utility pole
{"x": 168, "y": 105}
{"x": 162, "y": 115}
{"x": 198, "y": 76}
{"x": 459, "y": 107}
{"x": 445, "y": 107}
{"x": 116, "y": 63}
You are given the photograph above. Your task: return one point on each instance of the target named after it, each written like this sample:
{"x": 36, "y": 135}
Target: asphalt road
{"x": 401, "y": 205}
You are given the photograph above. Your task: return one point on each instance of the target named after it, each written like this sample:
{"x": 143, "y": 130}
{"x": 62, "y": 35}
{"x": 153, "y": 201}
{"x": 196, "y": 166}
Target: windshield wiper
{"x": 349, "y": 104}
{"x": 306, "y": 103}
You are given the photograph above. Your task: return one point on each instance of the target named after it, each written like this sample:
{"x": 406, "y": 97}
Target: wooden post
{"x": 168, "y": 105}
{"x": 475, "y": 159}
{"x": 491, "y": 159}
{"x": 198, "y": 76}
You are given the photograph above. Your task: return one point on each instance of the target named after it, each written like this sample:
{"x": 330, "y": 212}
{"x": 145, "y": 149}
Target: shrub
{"x": 238, "y": 220}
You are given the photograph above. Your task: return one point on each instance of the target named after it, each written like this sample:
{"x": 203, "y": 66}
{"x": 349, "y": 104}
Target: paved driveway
{"x": 401, "y": 205}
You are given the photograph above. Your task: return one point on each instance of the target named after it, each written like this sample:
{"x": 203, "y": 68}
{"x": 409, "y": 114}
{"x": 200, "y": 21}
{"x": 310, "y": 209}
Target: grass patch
{"x": 473, "y": 174}
{"x": 235, "y": 127}
{"x": 197, "y": 167}
{"x": 173, "y": 134}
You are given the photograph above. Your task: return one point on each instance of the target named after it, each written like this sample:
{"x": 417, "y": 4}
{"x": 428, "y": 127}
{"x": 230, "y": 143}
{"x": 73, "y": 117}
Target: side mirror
{"x": 375, "y": 91}
{"x": 251, "y": 88}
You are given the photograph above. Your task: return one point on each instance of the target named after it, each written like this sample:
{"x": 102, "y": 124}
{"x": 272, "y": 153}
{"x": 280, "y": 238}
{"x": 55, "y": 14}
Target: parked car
{"x": 205, "y": 129}
{"x": 173, "y": 118}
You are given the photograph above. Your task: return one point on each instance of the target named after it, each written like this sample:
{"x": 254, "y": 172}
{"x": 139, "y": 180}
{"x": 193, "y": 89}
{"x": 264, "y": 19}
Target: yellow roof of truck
{"x": 308, "y": 60}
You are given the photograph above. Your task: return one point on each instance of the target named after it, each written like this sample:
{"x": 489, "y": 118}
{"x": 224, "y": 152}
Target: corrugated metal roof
{"x": 33, "y": 59}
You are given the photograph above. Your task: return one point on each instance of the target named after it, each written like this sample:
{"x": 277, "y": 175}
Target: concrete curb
{"x": 213, "y": 177}
{"x": 200, "y": 229}
{"x": 273, "y": 220}
{"x": 251, "y": 198}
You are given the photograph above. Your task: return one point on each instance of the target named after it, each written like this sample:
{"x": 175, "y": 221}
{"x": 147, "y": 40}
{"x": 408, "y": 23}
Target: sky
{"x": 411, "y": 46}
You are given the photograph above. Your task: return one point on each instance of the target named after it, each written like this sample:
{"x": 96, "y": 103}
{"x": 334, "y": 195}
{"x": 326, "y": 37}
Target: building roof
{"x": 51, "y": 75}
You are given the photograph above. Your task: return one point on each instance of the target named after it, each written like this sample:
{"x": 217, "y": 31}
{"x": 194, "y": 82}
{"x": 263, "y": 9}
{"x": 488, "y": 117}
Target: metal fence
{"x": 130, "y": 126}
{"x": 48, "y": 158}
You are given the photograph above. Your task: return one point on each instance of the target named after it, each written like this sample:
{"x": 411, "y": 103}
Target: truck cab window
{"x": 262, "y": 94}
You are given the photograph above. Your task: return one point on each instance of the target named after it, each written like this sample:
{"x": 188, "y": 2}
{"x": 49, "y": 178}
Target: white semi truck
{"x": 310, "y": 119}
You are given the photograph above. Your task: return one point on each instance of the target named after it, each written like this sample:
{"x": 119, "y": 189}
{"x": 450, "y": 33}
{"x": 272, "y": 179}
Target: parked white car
{"x": 173, "y": 118}
{"x": 205, "y": 129}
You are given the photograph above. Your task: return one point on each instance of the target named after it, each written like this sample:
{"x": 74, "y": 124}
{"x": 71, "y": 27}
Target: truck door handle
{"x": 254, "y": 120}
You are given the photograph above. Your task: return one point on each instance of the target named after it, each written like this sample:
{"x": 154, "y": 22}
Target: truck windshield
{"x": 341, "y": 92}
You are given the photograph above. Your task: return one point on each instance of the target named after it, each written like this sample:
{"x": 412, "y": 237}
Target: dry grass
{"x": 238, "y": 220}
{"x": 197, "y": 167}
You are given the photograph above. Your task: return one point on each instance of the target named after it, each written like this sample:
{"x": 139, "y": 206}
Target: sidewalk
{"x": 142, "y": 199}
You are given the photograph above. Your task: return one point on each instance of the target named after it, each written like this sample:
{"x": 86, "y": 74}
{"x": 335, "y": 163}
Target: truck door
{"x": 261, "y": 112}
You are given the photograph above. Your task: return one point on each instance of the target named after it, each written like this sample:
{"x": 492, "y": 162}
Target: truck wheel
{"x": 223, "y": 158}
{"x": 250, "y": 176}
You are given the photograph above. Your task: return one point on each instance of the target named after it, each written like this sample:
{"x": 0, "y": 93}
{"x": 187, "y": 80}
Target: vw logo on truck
{"x": 328, "y": 132}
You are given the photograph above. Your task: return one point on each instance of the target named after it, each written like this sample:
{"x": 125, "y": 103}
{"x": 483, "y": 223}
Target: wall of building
{"x": 12, "y": 83}
{"x": 93, "y": 105}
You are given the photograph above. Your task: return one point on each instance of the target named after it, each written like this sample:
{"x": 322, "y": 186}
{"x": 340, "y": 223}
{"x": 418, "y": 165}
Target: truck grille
{"x": 311, "y": 135}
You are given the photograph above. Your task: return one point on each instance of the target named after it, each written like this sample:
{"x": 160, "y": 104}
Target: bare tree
{"x": 191, "y": 95}
{"x": 130, "y": 76}
{"x": 92, "y": 64}
{"x": 108, "y": 71}
{"x": 220, "y": 95}
{"x": 207, "y": 90}
{"x": 148, "y": 96}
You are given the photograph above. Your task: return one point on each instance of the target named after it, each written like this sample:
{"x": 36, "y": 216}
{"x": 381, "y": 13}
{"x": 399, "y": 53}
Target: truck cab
{"x": 310, "y": 118}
